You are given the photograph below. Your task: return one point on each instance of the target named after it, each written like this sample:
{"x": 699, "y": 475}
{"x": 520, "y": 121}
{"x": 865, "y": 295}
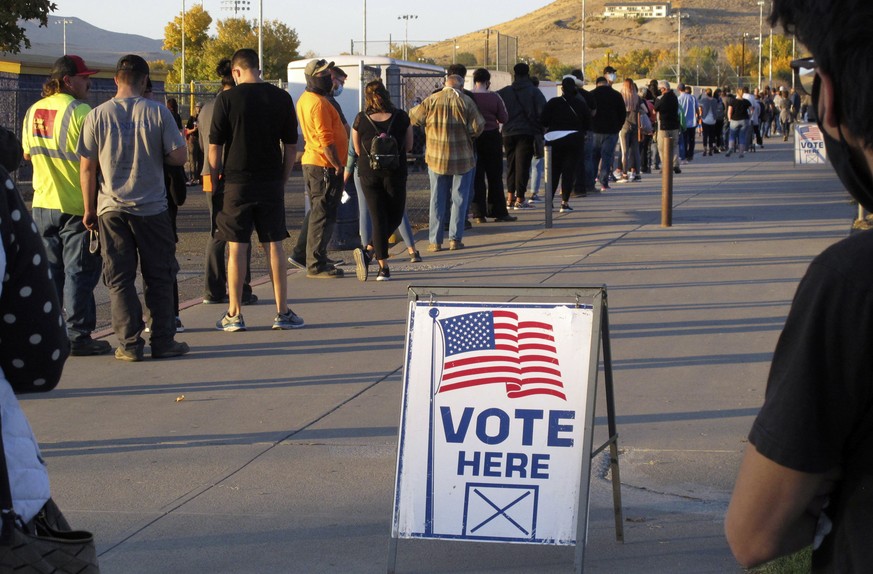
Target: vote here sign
{"x": 493, "y": 417}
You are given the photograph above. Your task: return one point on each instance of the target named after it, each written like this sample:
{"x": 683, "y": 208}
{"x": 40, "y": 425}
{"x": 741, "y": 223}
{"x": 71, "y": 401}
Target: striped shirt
{"x": 450, "y": 120}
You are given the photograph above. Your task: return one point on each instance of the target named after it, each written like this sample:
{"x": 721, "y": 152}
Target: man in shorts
{"x": 256, "y": 122}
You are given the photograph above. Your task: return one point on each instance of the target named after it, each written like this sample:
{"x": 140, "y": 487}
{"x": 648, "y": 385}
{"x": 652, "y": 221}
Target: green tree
{"x": 12, "y": 35}
{"x": 197, "y": 22}
{"x": 742, "y": 62}
{"x": 782, "y": 49}
{"x": 699, "y": 66}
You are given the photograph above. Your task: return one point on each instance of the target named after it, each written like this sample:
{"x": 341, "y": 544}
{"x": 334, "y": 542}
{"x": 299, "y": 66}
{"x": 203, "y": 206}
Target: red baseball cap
{"x": 70, "y": 65}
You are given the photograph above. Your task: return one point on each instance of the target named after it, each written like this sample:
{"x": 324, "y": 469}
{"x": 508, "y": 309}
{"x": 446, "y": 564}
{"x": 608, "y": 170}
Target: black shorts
{"x": 252, "y": 206}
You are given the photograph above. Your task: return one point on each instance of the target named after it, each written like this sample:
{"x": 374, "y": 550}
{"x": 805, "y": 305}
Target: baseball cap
{"x": 608, "y": 70}
{"x": 579, "y": 83}
{"x": 317, "y": 66}
{"x": 132, "y": 63}
{"x": 70, "y": 65}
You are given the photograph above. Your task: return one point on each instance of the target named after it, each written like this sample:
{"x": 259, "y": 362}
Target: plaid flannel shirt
{"x": 450, "y": 120}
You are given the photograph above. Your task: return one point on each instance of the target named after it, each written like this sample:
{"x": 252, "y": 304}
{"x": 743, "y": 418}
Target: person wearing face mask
{"x": 807, "y": 473}
{"x": 610, "y": 75}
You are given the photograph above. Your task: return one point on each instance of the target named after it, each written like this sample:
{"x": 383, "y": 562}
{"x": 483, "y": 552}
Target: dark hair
{"x": 535, "y": 81}
{"x": 457, "y": 70}
{"x": 481, "y": 76}
{"x": 223, "y": 69}
{"x": 340, "y": 73}
{"x": 837, "y": 33}
{"x": 131, "y": 69}
{"x": 376, "y": 98}
{"x": 577, "y": 73}
{"x": 521, "y": 70}
{"x": 245, "y": 58}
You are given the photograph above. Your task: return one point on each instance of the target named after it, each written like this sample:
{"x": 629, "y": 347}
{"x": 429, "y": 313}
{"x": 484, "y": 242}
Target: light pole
{"x": 582, "y": 67}
{"x": 63, "y": 22}
{"x": 406, "y": 18}
{"x": 365, "y": 27}
{"x": 743, "y": 58}
{"x": 261, "y": 36}
{"x": 760, "y": 39}
{"x": 679, "y": 16}
{"x": 183, "y": 42}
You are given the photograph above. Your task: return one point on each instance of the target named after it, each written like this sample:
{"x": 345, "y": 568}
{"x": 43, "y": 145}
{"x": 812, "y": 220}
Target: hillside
{"x": 556, "y": 30}
{"x": 89, "y": 42}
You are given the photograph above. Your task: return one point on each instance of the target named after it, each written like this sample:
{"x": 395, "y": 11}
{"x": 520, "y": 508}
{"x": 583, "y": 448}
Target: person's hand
{"x": 90, "y": 220}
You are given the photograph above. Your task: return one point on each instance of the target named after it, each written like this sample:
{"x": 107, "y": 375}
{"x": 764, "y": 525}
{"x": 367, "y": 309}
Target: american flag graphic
{"x": 488, "y": 347}
{"x": 811, "y": 133}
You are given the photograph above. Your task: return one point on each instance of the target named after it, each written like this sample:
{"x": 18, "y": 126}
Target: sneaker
{"x": 209, "y": 300}
{"x": 250, "y": 300}
{"x": 455, "y": 245}
{"x": 728, "y": 154}
{"x": 334, "y": 262}
{"x": 565, "y": 207}
{"x": 506, "y": 217}
{"x": 434, "y": 247}
{"x": 415, "y": 257}
{"x": 622, "y": 179}
{"x": 287, "y": 320}
{"x": 636, "y": 177}
{"x": 176, "y": 349}
{"x": 88, "y": 347}
{"x": 480, "y": 220}
{"x": 361, "y": 264}
{"x": 520, "y": 205}
{"x": 231, "y": 324}
{"x": 468, "y": 225}
{"x": 131, "y": 356}
{"x": 297, "y": 264}
{"x": 384, "y": 274}
{"x": 534, "y": 198}
{"x": 677, "y": 170}
{"x": 180, "y": 328}
{"x": 328, "y": 273}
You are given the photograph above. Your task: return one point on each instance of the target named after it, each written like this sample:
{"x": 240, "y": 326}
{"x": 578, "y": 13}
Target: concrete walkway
{"x": 281, "y": 456}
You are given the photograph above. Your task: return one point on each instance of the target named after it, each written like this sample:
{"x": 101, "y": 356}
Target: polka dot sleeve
{"x": 33, "y": 339}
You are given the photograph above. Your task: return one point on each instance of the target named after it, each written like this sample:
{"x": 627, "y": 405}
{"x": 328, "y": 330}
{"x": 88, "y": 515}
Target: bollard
{"x": 547, "y": 167}
{"x": 667, "y": 183}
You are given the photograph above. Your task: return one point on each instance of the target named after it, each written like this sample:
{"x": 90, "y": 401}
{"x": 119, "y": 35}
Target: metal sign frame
{"x": 596, "y": 297}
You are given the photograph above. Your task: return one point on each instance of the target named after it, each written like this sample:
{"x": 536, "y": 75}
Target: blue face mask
{"x": 338, "y": 90}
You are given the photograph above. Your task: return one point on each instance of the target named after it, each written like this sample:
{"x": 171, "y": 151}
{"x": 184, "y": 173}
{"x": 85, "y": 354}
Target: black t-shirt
{"x": 818, "y": 410}
{"x": 740, "y": 109}
{"x": 251, "y": 120}
{"x": 366, "y": 132}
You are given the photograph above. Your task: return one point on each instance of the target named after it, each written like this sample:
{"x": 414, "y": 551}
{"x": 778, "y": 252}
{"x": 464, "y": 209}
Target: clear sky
{"x": 325, "y": 27}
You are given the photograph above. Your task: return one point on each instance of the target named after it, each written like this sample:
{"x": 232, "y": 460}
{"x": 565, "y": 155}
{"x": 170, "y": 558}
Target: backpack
{"x": 384, "y": 151}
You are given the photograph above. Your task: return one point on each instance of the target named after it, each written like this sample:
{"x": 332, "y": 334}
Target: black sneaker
{"x": 89, "y": 347}
{"x": 329, "y": 273}
{"x": 565, "y": 207}
{"x": 250, "y": 300}
{"x": 287, "y": 320}
{"x": 297, "y": 264}
{"x": 677, "y": 170}
{"x": 384, "y": 274}
{"x": 209, "y": 300}
{"x": 175, "y": 349}
{"x": 415, "y": 257}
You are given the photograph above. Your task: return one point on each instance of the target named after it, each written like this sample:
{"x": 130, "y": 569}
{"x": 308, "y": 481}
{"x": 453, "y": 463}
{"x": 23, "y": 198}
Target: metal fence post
{"x": 667, "y": 183}
{"x": 547, "y": 166}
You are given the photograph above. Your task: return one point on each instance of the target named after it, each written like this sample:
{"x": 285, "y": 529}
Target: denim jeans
{"x": 738, "y": 131}
{"x": 444, "y": 188}
{"x": 603, "y": 148}
{"x": 74, "y": 269}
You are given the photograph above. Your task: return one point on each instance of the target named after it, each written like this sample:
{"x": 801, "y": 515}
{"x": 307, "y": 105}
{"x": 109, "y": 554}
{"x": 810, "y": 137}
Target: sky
{"x": 325, "y": 27}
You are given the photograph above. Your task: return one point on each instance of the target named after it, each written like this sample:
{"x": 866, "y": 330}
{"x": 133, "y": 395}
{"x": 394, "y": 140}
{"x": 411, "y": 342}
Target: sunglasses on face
{"x": 804, "y": 75}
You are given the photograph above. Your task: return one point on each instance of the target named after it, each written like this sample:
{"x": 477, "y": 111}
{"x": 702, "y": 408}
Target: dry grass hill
{"x": 556, "y": 29}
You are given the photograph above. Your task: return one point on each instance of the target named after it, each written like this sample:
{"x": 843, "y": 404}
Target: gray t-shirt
{"x": 130, "y": 137}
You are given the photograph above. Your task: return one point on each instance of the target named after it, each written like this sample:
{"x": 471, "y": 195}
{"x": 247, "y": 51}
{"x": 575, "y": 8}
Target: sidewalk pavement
{"x": 281, "y": 456}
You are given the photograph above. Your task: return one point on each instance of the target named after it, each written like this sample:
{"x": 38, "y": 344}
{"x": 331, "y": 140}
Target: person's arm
{"x": 289, "y": 156}
{"x": 356, "y": 141}
{"x": 774, "y": 509}
{"x": 409, "y": 138}
{"x": 177, "y": 157}
{"x": 88, "y": 181}
{"x": 215, "y": 162}
{"x": 333, "y": 157}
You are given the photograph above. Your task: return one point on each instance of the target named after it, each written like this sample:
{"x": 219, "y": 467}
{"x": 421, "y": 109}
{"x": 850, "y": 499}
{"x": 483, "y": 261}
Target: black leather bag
{"x": 45, "y": 545}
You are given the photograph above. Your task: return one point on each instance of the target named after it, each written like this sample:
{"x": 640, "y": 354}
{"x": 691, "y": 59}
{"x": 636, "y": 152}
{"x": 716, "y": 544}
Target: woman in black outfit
{"x": 566, "y": 113}
{"x": 384, "y": 189}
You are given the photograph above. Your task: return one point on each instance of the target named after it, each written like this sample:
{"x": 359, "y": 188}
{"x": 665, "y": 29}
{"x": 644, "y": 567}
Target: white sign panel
{"x": 809, "y": 145}
{"x": 493, "y": 418}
